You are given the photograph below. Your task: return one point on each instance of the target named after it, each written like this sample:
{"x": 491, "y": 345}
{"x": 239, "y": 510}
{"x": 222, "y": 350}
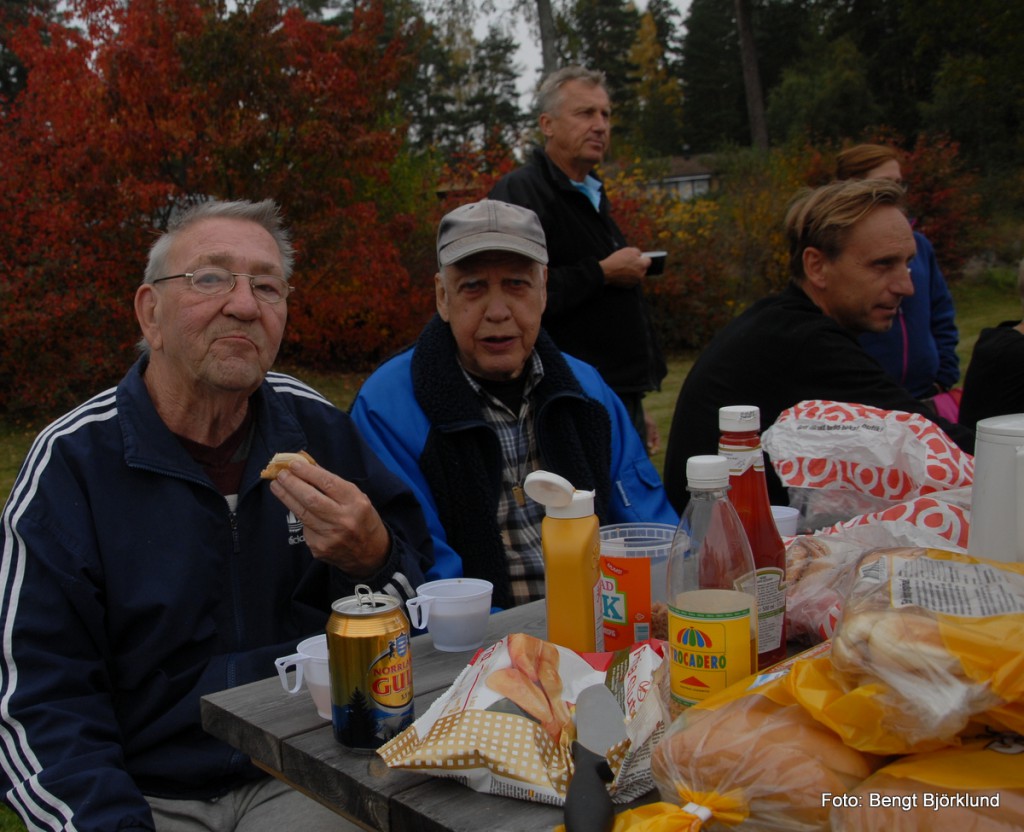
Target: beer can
{"x": 370, "y": 662}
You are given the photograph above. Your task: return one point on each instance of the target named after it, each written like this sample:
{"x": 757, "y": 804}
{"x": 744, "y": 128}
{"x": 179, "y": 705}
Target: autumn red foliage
{"x": 143, "y": 108}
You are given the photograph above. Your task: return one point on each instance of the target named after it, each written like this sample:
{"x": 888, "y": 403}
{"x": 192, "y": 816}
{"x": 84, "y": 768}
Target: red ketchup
{"x": 740, "y": 443}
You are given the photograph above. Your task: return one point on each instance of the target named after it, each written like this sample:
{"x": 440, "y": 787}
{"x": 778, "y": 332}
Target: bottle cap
{"x": 739, "y": 417}
{"x": 558, "y": 496}
{"x": 704, "y": 472}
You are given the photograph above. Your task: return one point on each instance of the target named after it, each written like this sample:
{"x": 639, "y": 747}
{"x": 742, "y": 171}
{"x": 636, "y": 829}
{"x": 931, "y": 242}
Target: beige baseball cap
{"x": 490, "y": 225}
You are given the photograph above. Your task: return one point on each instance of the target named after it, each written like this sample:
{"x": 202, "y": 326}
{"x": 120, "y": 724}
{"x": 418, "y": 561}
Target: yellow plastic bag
{"x": 750, "y": 755}
{"x": 927, "y": 642}
{"x": 978, "y": 787}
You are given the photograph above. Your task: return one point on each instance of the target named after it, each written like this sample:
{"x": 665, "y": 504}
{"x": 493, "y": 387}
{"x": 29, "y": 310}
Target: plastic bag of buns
{"x": 977, "y": 787}
{"x": 750, "y": 756}
{"x": 927, "y": 642}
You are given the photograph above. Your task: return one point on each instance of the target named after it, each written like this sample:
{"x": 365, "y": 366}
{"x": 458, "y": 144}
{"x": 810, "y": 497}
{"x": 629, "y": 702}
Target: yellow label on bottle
{"x": 712, "y": 642}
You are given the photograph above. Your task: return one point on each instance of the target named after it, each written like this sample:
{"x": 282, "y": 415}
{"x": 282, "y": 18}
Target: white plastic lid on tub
{"x": 1010, "y": 424}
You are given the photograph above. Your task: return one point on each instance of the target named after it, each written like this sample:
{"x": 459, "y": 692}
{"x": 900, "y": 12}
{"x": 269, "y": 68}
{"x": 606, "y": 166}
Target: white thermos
{"x": 997, "y": 497}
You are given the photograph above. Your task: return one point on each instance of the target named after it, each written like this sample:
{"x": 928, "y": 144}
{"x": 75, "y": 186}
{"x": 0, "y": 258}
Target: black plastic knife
{"x": 599, "y": 726}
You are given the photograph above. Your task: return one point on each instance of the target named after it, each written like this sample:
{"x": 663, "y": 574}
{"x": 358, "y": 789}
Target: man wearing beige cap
{"x": 484, "y": 397}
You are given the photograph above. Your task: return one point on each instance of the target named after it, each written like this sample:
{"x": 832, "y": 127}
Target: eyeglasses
{"x": 213, "y": 280}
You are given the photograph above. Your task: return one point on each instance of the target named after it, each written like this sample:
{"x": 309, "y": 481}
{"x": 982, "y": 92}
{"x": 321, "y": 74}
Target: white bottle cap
{"x": 704, "y": 472}
{"x": 739, "y": 417}
{"x": 558, "y": 496}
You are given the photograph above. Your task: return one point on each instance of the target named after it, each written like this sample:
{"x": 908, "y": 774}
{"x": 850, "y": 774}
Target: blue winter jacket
{"x": 131, "y": 589}
{"x": 422, "y": 419}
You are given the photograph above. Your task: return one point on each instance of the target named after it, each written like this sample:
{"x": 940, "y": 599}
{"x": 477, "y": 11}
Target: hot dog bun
{"x": 281, "y": 461}
{"x": 777, "y": 758}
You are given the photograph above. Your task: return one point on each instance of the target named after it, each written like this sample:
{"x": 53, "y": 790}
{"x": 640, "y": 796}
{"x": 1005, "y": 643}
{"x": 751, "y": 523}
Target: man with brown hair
{"x": 850, "y": 246}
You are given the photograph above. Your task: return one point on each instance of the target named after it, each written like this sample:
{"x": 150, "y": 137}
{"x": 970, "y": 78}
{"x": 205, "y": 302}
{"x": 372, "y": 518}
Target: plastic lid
{"x": 1011, "y": 424}
{"x": 704, "y": 472}
{"x": 557, "y": 495}
{"x": 739, "y": 417}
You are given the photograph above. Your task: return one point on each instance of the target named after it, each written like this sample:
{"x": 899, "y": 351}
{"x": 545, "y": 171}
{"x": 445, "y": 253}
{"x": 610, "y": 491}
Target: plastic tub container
{"x": 634, "y": 563}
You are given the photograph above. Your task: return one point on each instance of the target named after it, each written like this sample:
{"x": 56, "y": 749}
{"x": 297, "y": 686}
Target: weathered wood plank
{"x": 448, "y": 806}
{"x": 254, "y": 718}
{"x": 357, "y": 783}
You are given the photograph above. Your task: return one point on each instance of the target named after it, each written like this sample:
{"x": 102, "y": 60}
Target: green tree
{"x": 599, "y": 34}
{"x": 825, "y": 96}
{"x": 977, "y": 64}
{"x": 464, "y": 92}
{"x": 714, "y": 106}
{"x": 657, "y": 129}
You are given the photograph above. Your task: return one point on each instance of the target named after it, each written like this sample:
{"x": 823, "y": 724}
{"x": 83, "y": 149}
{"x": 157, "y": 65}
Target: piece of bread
{"x": 281, "y": 461}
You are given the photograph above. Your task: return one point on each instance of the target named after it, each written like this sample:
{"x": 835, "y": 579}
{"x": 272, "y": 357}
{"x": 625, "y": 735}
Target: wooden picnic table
{"x": 283, "y": 735}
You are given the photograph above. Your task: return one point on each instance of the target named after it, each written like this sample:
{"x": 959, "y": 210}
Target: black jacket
{"x": 606, "y": 326}
{"x": 780, "y": 351}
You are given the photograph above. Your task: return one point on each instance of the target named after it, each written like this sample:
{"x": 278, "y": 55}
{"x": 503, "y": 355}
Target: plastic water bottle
{"x": 712, "y": 594}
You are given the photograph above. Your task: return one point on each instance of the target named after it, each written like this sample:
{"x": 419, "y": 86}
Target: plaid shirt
{"x": 520, "y": 525}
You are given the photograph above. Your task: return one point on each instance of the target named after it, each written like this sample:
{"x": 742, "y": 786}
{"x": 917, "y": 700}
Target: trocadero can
{"x": 370, "y": 662}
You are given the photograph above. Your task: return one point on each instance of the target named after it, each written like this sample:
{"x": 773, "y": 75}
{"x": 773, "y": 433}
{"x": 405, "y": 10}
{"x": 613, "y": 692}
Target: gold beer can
{"x": 370, "y": 661}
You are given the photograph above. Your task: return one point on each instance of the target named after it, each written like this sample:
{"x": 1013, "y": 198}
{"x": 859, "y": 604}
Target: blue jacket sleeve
{"x": 398, "y": 444}
{"x": 943, "y": 316}
{"x": 638, "y": 495}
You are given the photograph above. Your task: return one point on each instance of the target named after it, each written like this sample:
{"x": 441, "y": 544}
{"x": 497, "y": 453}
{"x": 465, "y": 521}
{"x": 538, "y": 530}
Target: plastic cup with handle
{"x": 454, "y": 611}
{"x": 310, "y": 663}
{"x": 787, "y": 519}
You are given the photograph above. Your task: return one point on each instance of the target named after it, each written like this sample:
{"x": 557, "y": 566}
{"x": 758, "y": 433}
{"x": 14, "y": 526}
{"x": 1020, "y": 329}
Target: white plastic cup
{"x": 454, "y": 611}
{"x": 310, "y": 663}
{"x": 787, "y": 519}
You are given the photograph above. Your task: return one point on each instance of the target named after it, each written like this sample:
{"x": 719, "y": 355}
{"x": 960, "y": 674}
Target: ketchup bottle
{"x": 740, "y": 443}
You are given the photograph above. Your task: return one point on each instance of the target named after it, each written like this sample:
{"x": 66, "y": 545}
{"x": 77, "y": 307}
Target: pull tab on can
{"x": 364, "y": 596}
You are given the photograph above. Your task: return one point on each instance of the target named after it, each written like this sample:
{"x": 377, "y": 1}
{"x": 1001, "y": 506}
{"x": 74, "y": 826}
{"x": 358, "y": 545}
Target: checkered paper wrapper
{"x": 505, "y": 725}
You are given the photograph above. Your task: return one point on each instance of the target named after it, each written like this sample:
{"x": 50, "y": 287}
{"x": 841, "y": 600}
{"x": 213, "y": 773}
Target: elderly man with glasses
{"x": 146, "y": 562}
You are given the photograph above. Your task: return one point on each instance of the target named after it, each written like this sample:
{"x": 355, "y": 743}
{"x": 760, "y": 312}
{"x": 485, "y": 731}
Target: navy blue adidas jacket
{"x": 131, "y": 589}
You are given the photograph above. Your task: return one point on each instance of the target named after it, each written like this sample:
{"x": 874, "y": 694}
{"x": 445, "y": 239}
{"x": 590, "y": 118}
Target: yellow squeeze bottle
{"x": 571, "y": 544}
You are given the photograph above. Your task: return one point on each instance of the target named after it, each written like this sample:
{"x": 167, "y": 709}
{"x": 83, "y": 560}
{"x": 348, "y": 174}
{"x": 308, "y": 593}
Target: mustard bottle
{"x": 571, "y": 545}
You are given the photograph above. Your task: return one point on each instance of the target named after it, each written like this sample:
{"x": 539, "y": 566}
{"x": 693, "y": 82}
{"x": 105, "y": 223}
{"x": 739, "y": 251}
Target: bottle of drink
{"x": 712, "y": 594}
{"x": 571, "y": 544}
{"x": 740, "y": 443}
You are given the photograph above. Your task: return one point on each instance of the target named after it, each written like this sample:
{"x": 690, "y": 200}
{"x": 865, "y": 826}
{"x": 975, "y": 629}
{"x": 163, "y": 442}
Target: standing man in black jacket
{"x": 596, "y": 308}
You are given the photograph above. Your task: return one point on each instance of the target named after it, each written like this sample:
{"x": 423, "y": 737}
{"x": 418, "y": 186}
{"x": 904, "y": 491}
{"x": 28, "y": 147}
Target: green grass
{"x": 980, "y": 302}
